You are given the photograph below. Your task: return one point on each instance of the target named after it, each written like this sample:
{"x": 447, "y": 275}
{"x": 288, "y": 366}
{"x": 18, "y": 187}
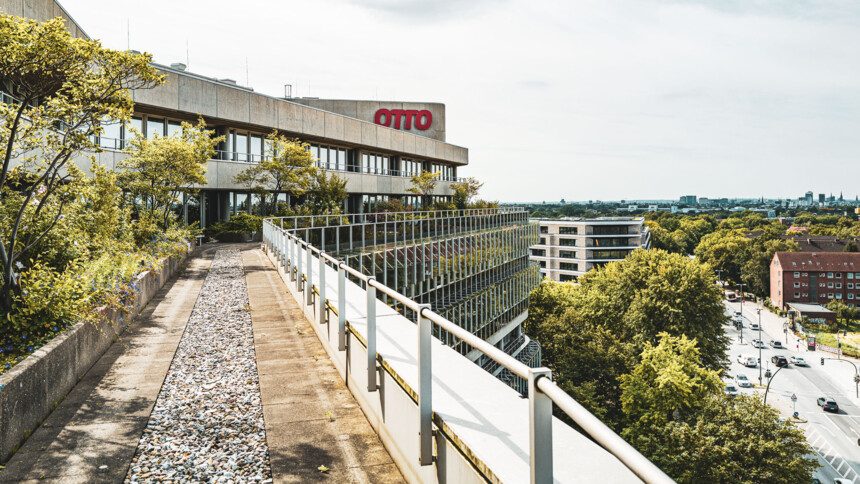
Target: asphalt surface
{"x": 834, "y": 436}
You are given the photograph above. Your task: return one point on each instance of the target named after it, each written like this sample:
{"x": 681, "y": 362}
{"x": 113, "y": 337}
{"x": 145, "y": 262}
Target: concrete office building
{"x": 374, "y": 145}
{"x": 569, "y": 248}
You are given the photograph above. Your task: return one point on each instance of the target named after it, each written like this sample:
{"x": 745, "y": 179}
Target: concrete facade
{"x": 568, "y": 248}
{"x": 366, "y": 111}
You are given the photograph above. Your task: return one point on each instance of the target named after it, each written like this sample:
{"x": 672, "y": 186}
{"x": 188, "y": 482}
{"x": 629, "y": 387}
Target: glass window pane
{"x": 323, "y": 157}
{"x": 241, "y": 202}
{"x": 135, "y": 124}
{"x": 154, "y": 126}
{"x": 173, "y": 127}
{"x": 256, "y": 148}
{"x": 110, "y": 137}
{"x": 241, "y": 147}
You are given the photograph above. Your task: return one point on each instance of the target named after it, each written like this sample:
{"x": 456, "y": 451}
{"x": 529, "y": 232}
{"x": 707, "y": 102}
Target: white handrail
{"x": 541, "y": 385}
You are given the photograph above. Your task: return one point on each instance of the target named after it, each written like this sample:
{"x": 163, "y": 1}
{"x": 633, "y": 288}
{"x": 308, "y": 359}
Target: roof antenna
{"x": 187, "y": 61}
{"x": 128, "y": 33}
{"x": 247, "y": 82}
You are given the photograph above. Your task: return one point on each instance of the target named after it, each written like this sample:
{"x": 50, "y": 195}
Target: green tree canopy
{"x": 288, "y": 166}
{"x": 755, "y": 270}
{"x": 424, "y": 184}
{"x": 723, "y": 250}
{"x": 161, "y": 168}
{"x": 64, "y": 89}
{"x": 465, "y": 190}
{"x": 326, "y": 193}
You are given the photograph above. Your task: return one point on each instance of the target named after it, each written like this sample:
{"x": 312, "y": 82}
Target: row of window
{"x": 830, "y": 285}
{"x": 830, "y": 295}
{"x": 832, "y": 275}
{"x": 250, "y": 147}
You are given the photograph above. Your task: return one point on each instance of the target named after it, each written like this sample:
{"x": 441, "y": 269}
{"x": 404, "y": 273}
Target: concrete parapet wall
{"x": 34, "y": 387}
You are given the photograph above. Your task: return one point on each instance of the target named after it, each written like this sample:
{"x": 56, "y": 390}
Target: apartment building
{"x": 375, "y": 145}
{"x": 815, "y": 278}
{"x": 570, "y": 247}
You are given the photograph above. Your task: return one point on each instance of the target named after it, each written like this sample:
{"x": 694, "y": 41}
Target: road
{"x": 836, "y": 437}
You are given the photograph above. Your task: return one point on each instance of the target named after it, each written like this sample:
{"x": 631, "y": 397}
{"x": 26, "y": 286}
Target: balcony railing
{"x": 116, "y": 144}
{"x": 298, "y": 257}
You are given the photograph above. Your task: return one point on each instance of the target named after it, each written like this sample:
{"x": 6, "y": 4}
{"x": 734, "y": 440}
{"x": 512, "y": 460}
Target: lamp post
{"x": 741, "y": 286}
{"x": 856, "y": 373}
{"x": 758, "y": 310}
{"x": 720, "y": 278}
{"x": 770, "y": 379}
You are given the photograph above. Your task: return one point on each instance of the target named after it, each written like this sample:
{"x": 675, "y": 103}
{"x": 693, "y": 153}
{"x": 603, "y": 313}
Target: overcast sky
{"x": 578, "y": 99}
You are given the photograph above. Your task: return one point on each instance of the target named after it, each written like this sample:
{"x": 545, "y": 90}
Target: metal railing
{"x": 542, "y": 391}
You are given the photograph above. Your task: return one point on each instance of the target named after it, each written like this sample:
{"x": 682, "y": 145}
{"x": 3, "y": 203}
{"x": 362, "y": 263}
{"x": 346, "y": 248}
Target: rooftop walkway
{"x": 106, "y": 425}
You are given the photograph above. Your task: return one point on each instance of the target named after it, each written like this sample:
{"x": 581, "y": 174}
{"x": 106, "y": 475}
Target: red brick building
{"x": 815, "y": 278}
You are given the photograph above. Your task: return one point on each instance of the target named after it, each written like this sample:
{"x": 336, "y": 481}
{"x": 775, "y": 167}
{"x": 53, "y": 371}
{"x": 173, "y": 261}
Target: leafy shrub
{"x": 239, "y": 223}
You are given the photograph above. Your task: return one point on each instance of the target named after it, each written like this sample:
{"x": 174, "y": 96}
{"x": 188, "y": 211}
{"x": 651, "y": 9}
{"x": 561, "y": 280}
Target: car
{"x": 798, "y": 360}
{"x": 748, "y": 361}
{"x": 757, "y": 343}
{"x": 779, "y": 360}
{"x": 777, "y": 345}
{"x": 732, "y": 390}
{"x": 828, "y": 404}
{"x": 738, "y": 314}
{"x": 840, "y": 480}
{"x": 754, "y": 326}
{"x": 742, "y": 381}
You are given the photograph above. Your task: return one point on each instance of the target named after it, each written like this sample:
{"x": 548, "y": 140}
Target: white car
{"x": 748, "y": 361}
{"x": 798, "y": 360}
{"x": 757, "y": 343}
{"x": 731, "y": 390}
{"x": 754, "y": 326}
{"x": 742, "y": 381}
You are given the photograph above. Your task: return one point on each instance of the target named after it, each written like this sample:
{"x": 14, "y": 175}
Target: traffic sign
{"x": 793, "y": 397}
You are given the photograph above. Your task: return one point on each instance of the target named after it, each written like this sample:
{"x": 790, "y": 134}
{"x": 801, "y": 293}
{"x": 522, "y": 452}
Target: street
{"x": 835, "y": 436}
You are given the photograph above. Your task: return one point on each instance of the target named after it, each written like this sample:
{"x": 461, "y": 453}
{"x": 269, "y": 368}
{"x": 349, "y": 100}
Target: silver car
{"x": 732, "y": 390}
{"x": 742, "y": 381}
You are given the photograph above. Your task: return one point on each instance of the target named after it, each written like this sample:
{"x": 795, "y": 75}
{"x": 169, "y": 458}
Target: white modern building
{"x": 570, "y": 247}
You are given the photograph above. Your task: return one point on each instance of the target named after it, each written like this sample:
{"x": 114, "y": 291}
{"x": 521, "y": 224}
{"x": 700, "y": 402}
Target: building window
{"x": 154, "y": 126}
{"x": 567, "y": 254}
{"x": 566, "y": 277}
{"x": 544, "y": 229}
{"x": 410, "y": 167}
{"x": 797, "y": 294}
{"x": 838, "y": 285}
{"x": 805, "y": 274}
{"x": 850, "y": 285}
{"x": 374, "y": 163}
{"x": 850, "y": 295}
{"x": 839, "y": 275}
{"x": 849, "y": 275}
{"x": 838, "y": 295}
{"x": 567, "y": 242}
{"x": 830, "y": 295}
{"x": 796, "y": 274}
{"x": 796, "y": 284}
{"x": 830, "y": 275}
{"x": 173, "y": 127}
{"x": 829, "y": 285}
{"x": 568, "y": 230}
{"x": 822, "y": 285}
{"x": 569, "y": 266}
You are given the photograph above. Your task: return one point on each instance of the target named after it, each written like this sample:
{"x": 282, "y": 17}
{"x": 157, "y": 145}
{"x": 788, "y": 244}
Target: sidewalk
{"x": 311, "y": 417}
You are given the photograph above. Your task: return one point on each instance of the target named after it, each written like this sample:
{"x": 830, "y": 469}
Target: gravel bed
{"x": 207, "y": 424}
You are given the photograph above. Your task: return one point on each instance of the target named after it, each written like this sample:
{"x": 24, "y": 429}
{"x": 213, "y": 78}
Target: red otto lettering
{"x": 393, "y": 118}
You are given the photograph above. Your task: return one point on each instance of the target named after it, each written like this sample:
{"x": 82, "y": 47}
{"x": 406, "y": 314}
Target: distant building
{"x": 569, "y": 248}
{"x": 821, "y": 198}
{"x": 704, "y": 201}
{"x": 815, "y": 278}
{"x": 688, "y": 200}
{"x": 819, "y": 243}
{"x": 808, "y": 198}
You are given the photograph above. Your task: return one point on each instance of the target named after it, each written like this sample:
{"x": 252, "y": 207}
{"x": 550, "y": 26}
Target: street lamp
{"x": 770, "y": 379}
{"x": 741, "y": 286}
{"x": 720, "y": 278}
{"x": 758, "y": 310}
{"x": 856, "y": 373}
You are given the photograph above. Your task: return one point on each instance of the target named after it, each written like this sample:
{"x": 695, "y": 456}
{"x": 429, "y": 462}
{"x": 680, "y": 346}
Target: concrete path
{"x": 92, "y": 435}
{"x": 311, "y": 418}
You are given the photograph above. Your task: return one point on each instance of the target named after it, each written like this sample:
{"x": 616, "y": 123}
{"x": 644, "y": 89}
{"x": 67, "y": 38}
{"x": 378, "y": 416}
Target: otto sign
{"x": 392, "y": 118}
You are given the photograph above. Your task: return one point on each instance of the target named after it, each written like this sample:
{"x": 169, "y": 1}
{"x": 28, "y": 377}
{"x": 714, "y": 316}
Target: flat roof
{"x": 809, "y": 308}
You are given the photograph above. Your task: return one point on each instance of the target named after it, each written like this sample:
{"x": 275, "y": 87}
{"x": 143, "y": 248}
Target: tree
{"x": 424, "y": 184}
{"x": 851, "y": 246}
{"x": 64, "y": 89}
{"x": 465, "y": 190}
{"x": 288, "y": 166}
{"x": 326, "y": 193}
{"x": 757, "y": 258}
{"x": 723, "y": 250}
{"x": 160, "y": 169}
{"x": 729, "y": 440}
{"x": 667, "y": 384}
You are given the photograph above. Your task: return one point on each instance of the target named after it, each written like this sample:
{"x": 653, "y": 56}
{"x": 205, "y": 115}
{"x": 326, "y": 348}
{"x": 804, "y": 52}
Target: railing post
{"x": 425, "y": 388}
{"x": 299, "y": 266}
{"x": 309, "y": 289}
{"x": 292, "y": 243}
{"x": 371, "y": 335}
{"x": 540, "y": 429}
{"x": 341, "y": 307}
{"x": 323, "y": 310}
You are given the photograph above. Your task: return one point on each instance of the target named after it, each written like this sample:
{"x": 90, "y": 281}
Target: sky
{"x": 574, "y": 99}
